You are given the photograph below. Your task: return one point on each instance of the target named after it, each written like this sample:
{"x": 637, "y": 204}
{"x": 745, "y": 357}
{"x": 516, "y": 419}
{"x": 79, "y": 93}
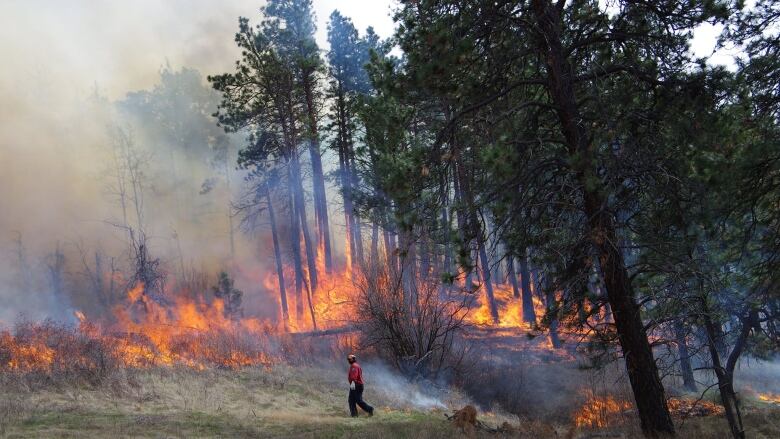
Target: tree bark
{"x": 685, "y": 358}
{"x": 374, "y": 244}
{"x": 318, "y": 178}
{"x": 300, "y": 207}
{"x": 725, "y": 378}
{"x": 278, "y": 258}
{"x": 529, "y": 313}
{"x": 510, "y": 265}
{"x": 295, "y": 243}
{"x": 550, "y": 304}
{"x": 389, "y": 249}
{"x": 358, "y": 227}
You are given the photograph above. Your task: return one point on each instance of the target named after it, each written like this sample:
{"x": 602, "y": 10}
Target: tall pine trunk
{"x": 476, "y": 232}
{"x": 318, "y": 177}
{"x": 278, "y": 258}
{"x": 295, "y": 243}
{"x": 685, "y": 358}
{"x": 388, "y": 248}
{"x": 358, "y": 227}
{"x": 550, "y": 304}
{"x": 510, "y": 266}
{"x": 725, "y": 373}
{"x": 640, "y": 363}
{"x": 374, "y": 244}
{"x": 300, "y": 207}
{"x": 529, "y": 313}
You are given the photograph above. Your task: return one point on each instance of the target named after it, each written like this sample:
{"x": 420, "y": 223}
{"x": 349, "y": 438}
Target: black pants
{"x": 356, "y": 399}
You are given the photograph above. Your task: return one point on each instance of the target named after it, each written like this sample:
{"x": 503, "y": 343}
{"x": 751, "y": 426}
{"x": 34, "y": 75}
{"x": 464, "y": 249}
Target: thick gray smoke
{"x": 66, "y": 66}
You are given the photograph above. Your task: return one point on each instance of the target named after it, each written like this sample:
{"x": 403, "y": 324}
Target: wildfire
{"x": 770, "y": 398}
{"x": 31, "y": 353}
{"x": 143, "y": 333}
{"x": 179, "y": 330}
{"x": 686, "y": 408}
{"x": 600, "y": 411}
{"x": 510, "y": 308}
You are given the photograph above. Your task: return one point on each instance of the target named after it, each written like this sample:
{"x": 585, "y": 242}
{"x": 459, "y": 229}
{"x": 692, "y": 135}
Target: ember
{"x": 686, "y": 408}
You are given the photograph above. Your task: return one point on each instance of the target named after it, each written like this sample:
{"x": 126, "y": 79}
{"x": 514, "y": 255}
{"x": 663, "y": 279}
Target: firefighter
{"x": 355, "y": 377}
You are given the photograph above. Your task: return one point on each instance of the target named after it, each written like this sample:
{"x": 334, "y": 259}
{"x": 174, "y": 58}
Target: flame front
{"x": 175, "y": 329}
{"x": 600, "y": 411}
{"x": 143, "y": 333}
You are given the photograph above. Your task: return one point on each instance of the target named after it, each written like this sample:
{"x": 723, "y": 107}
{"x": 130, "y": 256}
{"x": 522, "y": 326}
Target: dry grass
{"x": 168, "y": 402}
{"x": 306, "y": 402}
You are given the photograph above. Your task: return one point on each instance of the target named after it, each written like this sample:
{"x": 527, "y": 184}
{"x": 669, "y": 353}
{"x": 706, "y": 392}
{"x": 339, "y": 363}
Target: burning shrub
{"x": 409, "y": 323}
{"x": 54, "y": 352}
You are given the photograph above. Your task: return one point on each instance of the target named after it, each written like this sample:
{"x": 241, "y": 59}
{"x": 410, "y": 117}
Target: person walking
{"x": 355, "y": 377}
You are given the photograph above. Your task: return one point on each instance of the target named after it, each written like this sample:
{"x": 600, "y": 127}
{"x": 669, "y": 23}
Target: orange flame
{"x": 770, "y": 398}
{"x": 600, "y": 411}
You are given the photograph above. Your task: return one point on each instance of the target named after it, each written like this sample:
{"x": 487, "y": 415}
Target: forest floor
{"x": 299, "y": 402}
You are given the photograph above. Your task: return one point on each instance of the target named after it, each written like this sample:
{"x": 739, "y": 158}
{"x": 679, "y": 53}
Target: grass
{"x": 285, "y": 402}
{"x": 300, "y": 402}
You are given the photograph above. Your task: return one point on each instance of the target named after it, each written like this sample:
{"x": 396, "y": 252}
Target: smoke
{"x": 404, "y": 393}
{"x": 66, "y": 66}
{"x": 758, "y": 375}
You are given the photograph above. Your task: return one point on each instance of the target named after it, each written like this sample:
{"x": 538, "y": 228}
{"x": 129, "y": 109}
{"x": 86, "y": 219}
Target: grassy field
{"x": 256, "y": 403}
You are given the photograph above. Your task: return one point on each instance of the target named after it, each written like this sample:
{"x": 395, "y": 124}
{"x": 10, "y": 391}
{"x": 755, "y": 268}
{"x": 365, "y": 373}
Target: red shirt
{"x": 355, "y": 373}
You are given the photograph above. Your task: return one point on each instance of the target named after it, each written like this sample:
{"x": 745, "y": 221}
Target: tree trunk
{"x": 388, "y": 247}
{"x": 278, "y": 258}
{"x": 374, "y": 244}
{"x": 425, "y": 256}
{"x": 640, "y": 363}
{"x": 408, "y": 268}
{"x": 346, "y": 188}
{"x": 725, "y": 377}
{"x": 300, "y": 207}
{"x": 358, "y": 229}
{"x": 685, "y": 358}
{"x": 510, "y": 268}
{"x": 476, "y": 231}
{"x": 550, "y": 304}
{"x": 295, "y": 243}
{"x": 485, "y": 265}
{"x": 318, "y": 178}
{"x": 529, "y": 313}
